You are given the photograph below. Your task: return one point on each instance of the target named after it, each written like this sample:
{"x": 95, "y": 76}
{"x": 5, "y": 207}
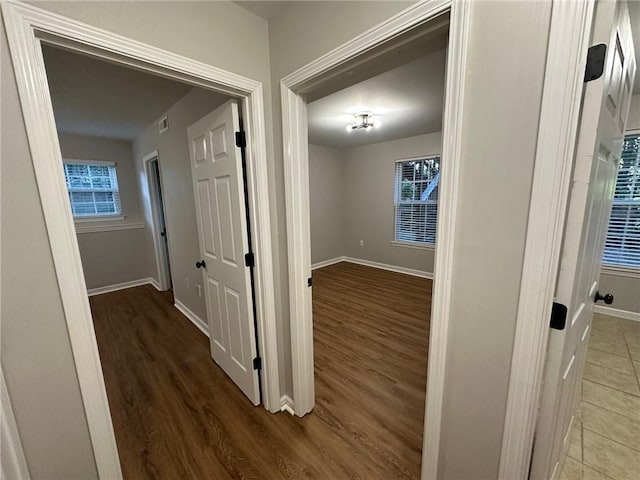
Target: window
{"x": 622, "y": 248}
{"x": 416, "y": 200}
{"x": 93, "y": 188}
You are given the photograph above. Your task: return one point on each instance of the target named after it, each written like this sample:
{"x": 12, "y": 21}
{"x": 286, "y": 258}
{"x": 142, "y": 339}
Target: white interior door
{"x": 216, "y": 166}
{"x": 600, "y": 137}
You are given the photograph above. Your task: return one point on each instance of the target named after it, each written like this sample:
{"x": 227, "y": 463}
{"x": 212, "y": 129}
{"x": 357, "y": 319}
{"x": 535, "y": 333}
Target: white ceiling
{"x": 407, "y": 100}
{"x": 264, "y": 9}
{"x": 97, "y": 98}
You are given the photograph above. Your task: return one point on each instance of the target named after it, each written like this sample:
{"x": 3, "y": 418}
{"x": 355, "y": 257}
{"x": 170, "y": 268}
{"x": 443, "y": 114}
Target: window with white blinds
{"x": 622, "y": 248}
{"x": 416, "y": 200}
{"x": 93, "y": 188}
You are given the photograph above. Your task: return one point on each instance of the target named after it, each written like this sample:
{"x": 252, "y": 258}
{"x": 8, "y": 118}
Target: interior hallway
{"x": 177, "y": 415}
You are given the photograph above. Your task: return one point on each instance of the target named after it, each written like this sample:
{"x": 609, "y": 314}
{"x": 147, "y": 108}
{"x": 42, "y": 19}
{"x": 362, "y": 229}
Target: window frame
{"x": 95, "y": 217}
{"x": 396, "y": 201}
{"x": 612, "y": 268}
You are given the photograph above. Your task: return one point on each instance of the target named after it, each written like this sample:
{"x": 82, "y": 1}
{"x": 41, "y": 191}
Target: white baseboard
{"x": 391, "y": 268}
{"x": 195, "y": 319}
{"x": 615, "y": 312}
{"x": 286, "y": 405}
{"x": 155, "y": 283}
{"x": 326, "y": 263}
{"x": 122, "y": 286}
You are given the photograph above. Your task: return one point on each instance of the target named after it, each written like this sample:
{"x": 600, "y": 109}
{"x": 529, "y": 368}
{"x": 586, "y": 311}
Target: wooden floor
{"x": 176, "y": 415}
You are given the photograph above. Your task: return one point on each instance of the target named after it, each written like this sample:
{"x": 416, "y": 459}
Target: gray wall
{"x": 369, "y": 203}
{"x": 36, "y": 353}
{"x": 35, "y": 350}
{"x": 351, "y": 199}
{"x": 113, "y": 256}
{"x": 177, "y": 189}
{"x": 624, "y": 287}
{"x": 326, "y": 202}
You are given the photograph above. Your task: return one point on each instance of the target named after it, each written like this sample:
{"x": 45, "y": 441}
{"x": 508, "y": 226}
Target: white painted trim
{"x": 295, "y": 143}
{"x": 560, "y": 112}
{"x": 326, "y": 263}
{"x": 286, "y": 405}
{"x": 415, "y": 246}
{"x": 80, "y": 229}
{"x": 26, "y": 25}
{"x": 13, "y": 465}
{"x": 122, "y": 286}
{"x": 616, "y": 312}
{"x": 98, "y": 218}
{"x": 392, "y": 268}
{"x": 620, "y": 271}
{"x": 195, "y": 319}
{"x": 162, "y": 263}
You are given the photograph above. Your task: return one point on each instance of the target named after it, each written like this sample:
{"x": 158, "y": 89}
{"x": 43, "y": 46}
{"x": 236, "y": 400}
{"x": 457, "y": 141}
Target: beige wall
{"x": 177, "y": 189}
{"x": 326, "y": 202}
{"x": 35, "y": 350}
{"x": 369, "y": 203}
{"x": 114, "y": 256}
{"x": 625, "y": 288}
{"x": 36, "y": 354}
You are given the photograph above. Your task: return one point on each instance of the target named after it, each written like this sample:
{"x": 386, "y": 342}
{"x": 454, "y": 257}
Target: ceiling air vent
{"x": 163, "y": 124}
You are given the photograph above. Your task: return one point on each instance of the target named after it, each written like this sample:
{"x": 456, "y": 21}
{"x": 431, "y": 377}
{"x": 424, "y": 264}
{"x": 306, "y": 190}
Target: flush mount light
{"x": 363, "y": 121}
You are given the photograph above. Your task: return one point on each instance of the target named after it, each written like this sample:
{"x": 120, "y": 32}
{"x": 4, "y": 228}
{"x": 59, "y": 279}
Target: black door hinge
{"x": 596, "y": 56}
{"x": 241, "y": 139}
{"x": 257, "y": 363}
{"x": 249, "y": 260}
{"x": 309, "y": 282}
{"x": 558, "y": 316}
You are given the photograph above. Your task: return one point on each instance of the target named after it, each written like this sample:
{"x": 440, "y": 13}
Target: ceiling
{"x": 407, "y": 100}
{"x": 264, "y": 9}
{"x": 96, "y": 98}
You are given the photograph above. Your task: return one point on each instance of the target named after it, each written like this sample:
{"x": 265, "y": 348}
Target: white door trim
{"x": 560, "y": 113}
{"x": 296, "y": 165}
{"x": 162, "y": 266}
{"x": 13, "y": 464}
{"x": 26, "y": 25}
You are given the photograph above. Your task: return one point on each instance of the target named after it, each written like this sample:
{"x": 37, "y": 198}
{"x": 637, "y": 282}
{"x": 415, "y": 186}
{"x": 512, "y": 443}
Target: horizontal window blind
{"x": 93, "y": 189}
{"x": 622, "y": 247}
{"x": 416, "y": 200}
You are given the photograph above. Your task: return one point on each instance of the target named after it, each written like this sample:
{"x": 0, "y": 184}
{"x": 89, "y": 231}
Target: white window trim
{"x": 414, "y": 245}
{"x": 404, "y": 243}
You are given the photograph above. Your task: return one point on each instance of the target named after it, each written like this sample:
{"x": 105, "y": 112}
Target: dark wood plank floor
{"x": 176, "y": 414}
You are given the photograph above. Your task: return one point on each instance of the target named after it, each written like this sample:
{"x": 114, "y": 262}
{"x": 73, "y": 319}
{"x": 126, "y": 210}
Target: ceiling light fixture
{"x": 363, "y": 121}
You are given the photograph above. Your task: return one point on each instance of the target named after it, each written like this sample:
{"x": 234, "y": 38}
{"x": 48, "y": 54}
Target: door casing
{"x": 27, "y": 26}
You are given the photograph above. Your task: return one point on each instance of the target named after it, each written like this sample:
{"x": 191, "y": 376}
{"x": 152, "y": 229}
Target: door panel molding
{"x": 27, "y": 26}
{"x": 560, "y": 113}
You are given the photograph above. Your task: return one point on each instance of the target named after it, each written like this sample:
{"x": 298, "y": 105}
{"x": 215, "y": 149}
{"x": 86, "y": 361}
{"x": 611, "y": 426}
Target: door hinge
{"x": 249, "y": 260}
{"x": 241, "y": 139}
{"x": 257, "y": 363}
{"x": 558, "y": 316}
{"x": 596, "y": 56}
{"x": 309, "y": 282}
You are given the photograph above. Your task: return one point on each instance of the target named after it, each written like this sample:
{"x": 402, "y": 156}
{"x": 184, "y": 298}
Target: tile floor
{"x": 605, "y": 442}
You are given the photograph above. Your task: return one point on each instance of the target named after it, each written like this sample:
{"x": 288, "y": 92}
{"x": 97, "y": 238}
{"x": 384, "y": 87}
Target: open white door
{"x": 600, "y": 137}
{"x": 216, "y": 166}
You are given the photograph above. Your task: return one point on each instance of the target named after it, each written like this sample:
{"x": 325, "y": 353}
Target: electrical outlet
{"x": 199, "y": 290}
{"x": 186, "y": 281}
{"x": 362, "y": 243}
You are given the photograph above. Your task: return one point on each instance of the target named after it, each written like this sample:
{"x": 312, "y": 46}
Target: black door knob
{"x": 201, "y": 264}
{"x": 608, "y": 298}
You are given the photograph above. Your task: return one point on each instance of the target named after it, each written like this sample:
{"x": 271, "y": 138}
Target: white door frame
{"x": 569, "y": 39}
{"x": 26, "y": 26}
{"x": 296, "y": 167}
{"x": 162, "y": 263}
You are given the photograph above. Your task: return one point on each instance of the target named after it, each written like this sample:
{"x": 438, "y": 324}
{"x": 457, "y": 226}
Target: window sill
{"x": 108, "y": 228}
{"x": 416, "y": 246}
{"x": 99, "y": 218}
{"x": 620, "y": 271}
